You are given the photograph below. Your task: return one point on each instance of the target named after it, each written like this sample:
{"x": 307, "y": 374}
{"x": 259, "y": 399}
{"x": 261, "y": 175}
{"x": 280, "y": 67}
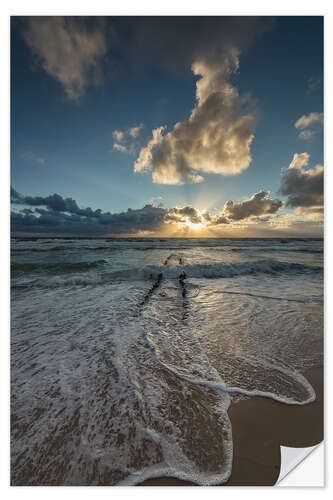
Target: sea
{"x": 126, "y": 353}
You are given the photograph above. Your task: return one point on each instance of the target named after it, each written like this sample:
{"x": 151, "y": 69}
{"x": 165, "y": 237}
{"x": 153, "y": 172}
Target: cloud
{"x": 306, "y": 121}
{"x": 70, "y": 49}
{"x": 63, "y": 216}
{"x": 216, "y": 138}
{"x": 54, "y": 202}
{"x": 118, "y": 135}
{"x": 33, "y": 158}
{"x": 174, "y": 42}
{"x": 127, "y": 137}
{"x": 307, "y": 135}
{"x": 134, "y": 131}
{"x": 57, "y": 215}
{"x": 195, "y": 216}
{"x": 258, "y": 205}
{"x": 120, "y": 147}
{"x": 299, "y": 160}
{"x": 16, "y": 197}
{"x": 184, "y": 214}
{"x": 309, "y": 125}
{"x": 218, "y": 220}
{"x": 303, "y": 186}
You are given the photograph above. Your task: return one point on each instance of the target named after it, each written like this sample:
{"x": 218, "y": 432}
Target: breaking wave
{"x": 209, "y": 271}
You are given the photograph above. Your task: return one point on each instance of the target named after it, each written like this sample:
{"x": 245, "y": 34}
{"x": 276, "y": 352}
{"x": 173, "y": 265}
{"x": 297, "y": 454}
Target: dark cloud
{"x": 64, "y": 216}
{"x": 54, "y": 202}
{"x": 15, "y": 197}
{"x": 302, "y": 185}
{"x": 174, "y": 42}
{"x": 73, "y": 50}
{"x": 258, "y": 205}
{"x": 220, "y": 219}
{"x": 57, "y": 215}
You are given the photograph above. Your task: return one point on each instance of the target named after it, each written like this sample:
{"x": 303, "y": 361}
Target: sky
{"x": 174, "y": 126}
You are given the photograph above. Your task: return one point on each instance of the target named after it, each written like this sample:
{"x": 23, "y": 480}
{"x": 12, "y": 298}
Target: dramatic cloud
{"x": 33, "y": 158}
{"x": 216, "y": 138}
{"x": 63, "y": 216}
{"x": 258, "y": 205}
{"x": 309, "y": 125}
{"x": 302, "y": 185}
{"x": 185, "y": 214}
{"x": 69, "y": 49}
{"x": 58, "y": 215}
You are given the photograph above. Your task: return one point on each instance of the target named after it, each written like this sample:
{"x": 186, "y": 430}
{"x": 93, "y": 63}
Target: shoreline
{"x": 259, "y": 426}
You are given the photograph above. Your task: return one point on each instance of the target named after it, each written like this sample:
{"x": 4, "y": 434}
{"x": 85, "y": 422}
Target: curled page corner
{"x": 292, "y": 457}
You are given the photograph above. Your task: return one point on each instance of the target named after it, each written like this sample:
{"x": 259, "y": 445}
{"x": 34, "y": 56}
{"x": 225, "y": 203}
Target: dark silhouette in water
{"x": 182, "y": 278}
{"x": 179, "y": 258}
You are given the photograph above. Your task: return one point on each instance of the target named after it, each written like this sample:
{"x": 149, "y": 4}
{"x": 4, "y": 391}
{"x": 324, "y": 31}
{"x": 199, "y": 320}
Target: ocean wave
{"x": 277, "y": 249}
{"x": 63, "y": 248}
{"x": 54, "y": 267}
{"x": 209, "y": 271}
{"x": 229, "y": 270}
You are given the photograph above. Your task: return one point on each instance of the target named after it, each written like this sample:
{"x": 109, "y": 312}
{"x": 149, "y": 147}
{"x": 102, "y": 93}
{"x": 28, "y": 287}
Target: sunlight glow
{"x": 192, "y": 225}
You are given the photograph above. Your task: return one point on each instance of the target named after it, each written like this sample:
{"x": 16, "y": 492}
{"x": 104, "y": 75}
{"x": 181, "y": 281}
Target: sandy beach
{"x": 259, "y": 426}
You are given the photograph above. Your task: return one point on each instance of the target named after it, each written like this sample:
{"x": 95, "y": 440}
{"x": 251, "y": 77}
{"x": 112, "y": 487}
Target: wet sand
{"x": 259, "y": 426}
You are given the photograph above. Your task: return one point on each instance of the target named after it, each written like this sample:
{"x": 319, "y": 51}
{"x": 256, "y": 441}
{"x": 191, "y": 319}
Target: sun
{"x": 192, "y": 225}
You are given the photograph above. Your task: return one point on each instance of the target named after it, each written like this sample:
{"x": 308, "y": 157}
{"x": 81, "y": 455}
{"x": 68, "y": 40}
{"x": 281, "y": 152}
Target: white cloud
{"x": 129, "y": 139}
{"x": 120, "y": 147}
{"x": 307, "y": 135}
{"x": 216, "y": 137}
{"x": 299, "y": 160}
{"x": 118, "y": 135}
{"x": 308, "y": 125}
{"x": 134, "y": 131}
{"x": 308, "y": 120}
{"x": 68, "y": 50}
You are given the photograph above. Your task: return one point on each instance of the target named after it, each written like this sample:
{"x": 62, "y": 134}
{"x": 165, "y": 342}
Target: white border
{"x": 138, "y": 7}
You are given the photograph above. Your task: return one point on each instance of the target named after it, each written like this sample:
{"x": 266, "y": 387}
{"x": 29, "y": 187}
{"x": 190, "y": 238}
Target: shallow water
{"x": 126, "y": 353}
